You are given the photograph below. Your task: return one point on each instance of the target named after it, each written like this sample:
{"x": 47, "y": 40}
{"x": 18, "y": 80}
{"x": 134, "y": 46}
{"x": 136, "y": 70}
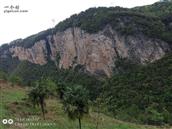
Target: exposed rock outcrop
{"x": 96, "y": 52}
{"x": 36, "y": 54}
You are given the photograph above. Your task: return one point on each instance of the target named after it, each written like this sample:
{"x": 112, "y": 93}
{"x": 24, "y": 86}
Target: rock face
{"x": 36, "y": 54}
{"x": 96, "y": 52}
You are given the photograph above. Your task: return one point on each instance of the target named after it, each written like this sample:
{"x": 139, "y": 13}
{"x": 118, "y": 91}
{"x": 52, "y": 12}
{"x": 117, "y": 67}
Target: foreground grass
{"x": 14, "y": 105}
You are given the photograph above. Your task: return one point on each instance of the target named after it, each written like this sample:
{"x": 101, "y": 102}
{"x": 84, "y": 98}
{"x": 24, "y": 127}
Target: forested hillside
{"x": 113, "y": 61}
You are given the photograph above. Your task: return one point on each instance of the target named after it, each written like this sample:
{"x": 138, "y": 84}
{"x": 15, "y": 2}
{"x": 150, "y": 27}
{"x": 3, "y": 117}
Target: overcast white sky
{"x": 44, "y": 14}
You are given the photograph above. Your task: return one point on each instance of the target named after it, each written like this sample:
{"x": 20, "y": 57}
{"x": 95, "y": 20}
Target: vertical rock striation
{"x": 96, "y": 52}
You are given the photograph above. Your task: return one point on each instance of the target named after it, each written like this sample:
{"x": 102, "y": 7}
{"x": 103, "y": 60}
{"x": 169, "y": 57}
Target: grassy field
{"x": 14, "y": 106}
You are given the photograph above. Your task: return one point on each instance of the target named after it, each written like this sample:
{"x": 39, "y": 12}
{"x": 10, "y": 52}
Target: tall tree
{"x": 75, "y": 102}
{"x": 99, "y": 103}
{"x": 42, "y": 90}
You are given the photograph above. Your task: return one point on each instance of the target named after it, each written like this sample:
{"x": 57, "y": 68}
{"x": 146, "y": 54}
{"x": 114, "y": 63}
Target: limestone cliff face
{"x": 96, "y": 52}
{"x": 36, "y": 54}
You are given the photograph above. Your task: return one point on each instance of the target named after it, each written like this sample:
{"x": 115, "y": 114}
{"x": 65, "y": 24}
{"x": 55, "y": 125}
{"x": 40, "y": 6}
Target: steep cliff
{"x": 129, "y": 51}
{"x": 99, "y": 45}
{"x": 97, "y": 52}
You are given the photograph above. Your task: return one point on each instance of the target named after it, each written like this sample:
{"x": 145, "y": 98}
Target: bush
{"x": 153, "y": 117}
{"x": 15, "y": 80}
{"x": 3, "y": 75}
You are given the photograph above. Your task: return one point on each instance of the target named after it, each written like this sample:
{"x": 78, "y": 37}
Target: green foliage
{"x": 42, "y": 89}
{"x": 15, "y": 80}
{"x": 147, "y": 20}
{"x": 124, "y": 65}
{"x": 61, "y": 88}
{"x": 158, "y": 9}
{"x": 3, "y": 75}
{"x": 143, "y": 87}
{"x": 77, "y": 76}
{"x": 135, "y": 93}
{"x": 31, "y": 40}
{"x": 8, "y": 64}
{"x": 75, "y": 102}
{"x": 128, "y": 94}
{"x": 152, "y": 116}
{"x": 163, "y": 11}
{"x": 30, "y": 72}
{"x": 45, "y": 87}
{"x": 22, "y": 108}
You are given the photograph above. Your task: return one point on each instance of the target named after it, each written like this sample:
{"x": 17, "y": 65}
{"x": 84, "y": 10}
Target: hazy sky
{"x": 44, "y": 14}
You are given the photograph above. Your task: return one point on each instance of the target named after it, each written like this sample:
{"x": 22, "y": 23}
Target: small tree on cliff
{"x": 42, "y": 90}
{"x": 75, "y": 102}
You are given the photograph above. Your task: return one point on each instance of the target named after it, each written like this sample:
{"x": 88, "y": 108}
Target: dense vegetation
{"x": 43, "y": 89}
{"x": 153, "y": 21}
{"x": 160, "y": 9}
{"x": 136, "y": 93}
{"x": 123, "y": 20}
{"x": 163, "y": 10}
{"x": 29, "y": 73}
{"x": 15, "y": 105}
{"x": 141, "y": 93}
{"x": 75, "y": 102}
{"x": 3, "y": 75}
{"x": 31, "y": 40}
{"x": 7, "y": 63}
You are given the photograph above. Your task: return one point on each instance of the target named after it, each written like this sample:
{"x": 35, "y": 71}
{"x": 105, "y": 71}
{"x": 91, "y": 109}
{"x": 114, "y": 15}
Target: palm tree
{"x": 99, "y": 103}
{"x": 75, "y": 102}
{"x": 42, "y": 90}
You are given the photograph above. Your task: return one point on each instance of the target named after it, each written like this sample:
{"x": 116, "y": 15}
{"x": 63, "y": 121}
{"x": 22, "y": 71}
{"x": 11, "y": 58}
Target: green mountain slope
{"x": 142, "y": 93}
{"x": 136, "y": 92}
{"x": 14, "y": 106}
